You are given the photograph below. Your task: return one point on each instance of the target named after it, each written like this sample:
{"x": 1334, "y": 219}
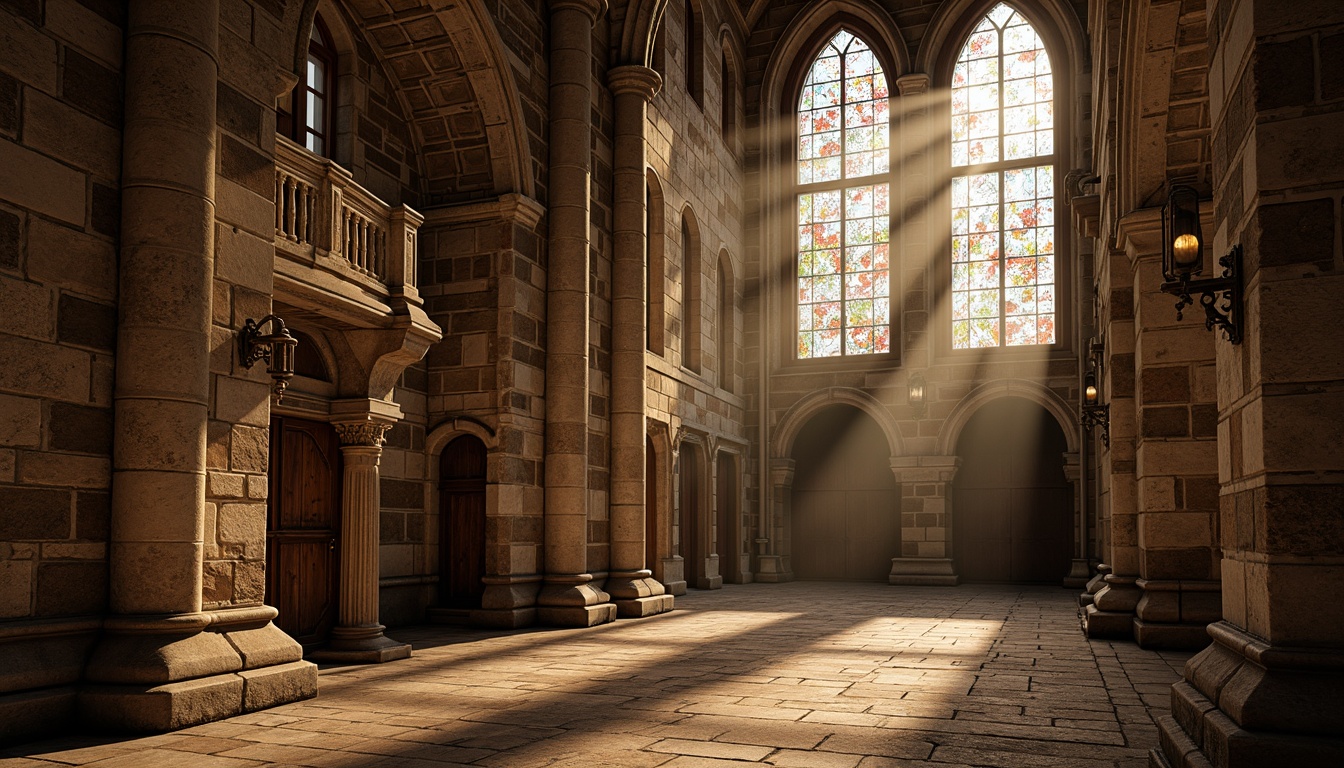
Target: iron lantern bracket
{"x": 1221, "y": 297}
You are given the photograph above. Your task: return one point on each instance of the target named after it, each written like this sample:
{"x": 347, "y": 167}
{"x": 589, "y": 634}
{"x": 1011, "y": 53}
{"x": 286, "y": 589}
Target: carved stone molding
{"x": 636, "y": 79}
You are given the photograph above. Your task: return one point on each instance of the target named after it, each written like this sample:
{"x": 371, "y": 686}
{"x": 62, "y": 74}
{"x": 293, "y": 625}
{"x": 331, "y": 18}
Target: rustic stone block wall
{"x": 60, "y": 158}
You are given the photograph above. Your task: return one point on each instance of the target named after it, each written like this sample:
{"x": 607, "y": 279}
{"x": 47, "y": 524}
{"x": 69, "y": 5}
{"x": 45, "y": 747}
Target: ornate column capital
{"x": 368, "y": 433}
{"x": 363, "y": 421}
{"x": 912, "y": 84}
{"x": 634, "y": 78}
{"x": 592, "y": 8}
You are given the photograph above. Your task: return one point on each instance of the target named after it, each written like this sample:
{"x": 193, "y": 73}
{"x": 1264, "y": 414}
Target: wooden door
{"x": 729, "y": 524}
{"x": 1011, "y": 504}
{"x": 846, "y": 522}
{"x": 303, "y": 529}
{"x": 688, "y": 502}
{"x": 462, "y": 523}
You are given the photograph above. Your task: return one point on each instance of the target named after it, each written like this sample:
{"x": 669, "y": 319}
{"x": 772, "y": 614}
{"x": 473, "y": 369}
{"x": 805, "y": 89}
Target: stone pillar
{"x": 631, "y": 583}
{"x": 1175, "y": 453}
{"x": 162, "y": 663}
{"x": 774, "y": 563}
{"x": 1267, "y": 690}
{"x": 568, "y": 597}
{"x": 358, "y": 635}
{"x": 1111, "y": 613}
{"x": 926, "y": 521}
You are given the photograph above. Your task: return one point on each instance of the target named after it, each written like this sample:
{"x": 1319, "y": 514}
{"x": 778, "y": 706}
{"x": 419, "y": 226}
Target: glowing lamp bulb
{"x": 1186, "y": 250}
{"x": 1091, "y": 393}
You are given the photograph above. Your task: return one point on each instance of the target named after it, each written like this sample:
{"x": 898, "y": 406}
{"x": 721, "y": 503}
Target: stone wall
{"x": 60, "y": 169}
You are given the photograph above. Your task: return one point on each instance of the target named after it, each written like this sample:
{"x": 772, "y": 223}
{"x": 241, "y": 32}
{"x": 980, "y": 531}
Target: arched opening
{"x": 694, "y": 62}
{"x": 1011, "y": 503}
{"x": 846, "y": 504}
{"x": 728, "y": 518}
{"x": 651, "y": 559}
{"x": 691, "y": 311}
{"x": 303, "y": 528}
{"x": 690, "y": 515}
{"x": 655, "y": 283}
{"x": 727, "y": 325}
{"x": 462, "y": 523}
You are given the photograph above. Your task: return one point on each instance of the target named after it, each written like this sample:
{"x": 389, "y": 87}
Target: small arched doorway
{"x": 846, "y": 503}
{"x": 462, "y": 523}
{"x": 729, "y": 518}
{"x": 690, "y": 513}
{"x": 1011, "y": 502}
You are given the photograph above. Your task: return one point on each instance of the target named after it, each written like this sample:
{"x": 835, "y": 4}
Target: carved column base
{"x": 509, "y": 602}
{"x": 922, "y": 572}
{"x": 1175, "y": 614}
{"x": 1244, "y": 702}
{"x": 361, "y": 645}
{"x": 573, "y": 601}
{"x": 638, "y": 595}
{"x": 1079, "y": 574}
{"x": 774, "y": 569}
{"x": 1094, "y": 585}
{"x": 1111, "y": 614}
{"x": 712, "y": 579}
{"x": 158, "y": 674}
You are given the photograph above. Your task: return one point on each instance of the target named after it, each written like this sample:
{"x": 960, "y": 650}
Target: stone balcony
{"x": 338, "y": 246}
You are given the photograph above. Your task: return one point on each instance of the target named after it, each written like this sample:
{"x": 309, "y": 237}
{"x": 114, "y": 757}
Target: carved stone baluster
{"x": 279, "y": 202}
{"x": 290, "y": 183}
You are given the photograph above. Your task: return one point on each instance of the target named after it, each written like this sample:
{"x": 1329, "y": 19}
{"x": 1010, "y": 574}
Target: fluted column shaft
{"x": 163, "y": 332}
{"x": 360, "y": 505}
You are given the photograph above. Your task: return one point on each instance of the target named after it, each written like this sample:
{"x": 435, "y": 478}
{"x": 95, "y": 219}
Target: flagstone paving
{"x": 812, "y": 675}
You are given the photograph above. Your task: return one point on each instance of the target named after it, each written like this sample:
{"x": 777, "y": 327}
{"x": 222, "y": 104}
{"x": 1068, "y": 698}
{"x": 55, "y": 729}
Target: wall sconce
{"x": 915, "y": 392}
{"x": 1094, "y": 413}
{"x": 276, "y": 348}
{"x": 1183, "y": 260}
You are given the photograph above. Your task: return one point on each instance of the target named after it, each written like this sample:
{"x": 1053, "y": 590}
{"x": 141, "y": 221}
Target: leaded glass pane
{"x": 1003, "y": 222}
{"x": 844, "y": 282}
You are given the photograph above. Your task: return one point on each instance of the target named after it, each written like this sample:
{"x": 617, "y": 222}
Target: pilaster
{"x": 926, "y": 555}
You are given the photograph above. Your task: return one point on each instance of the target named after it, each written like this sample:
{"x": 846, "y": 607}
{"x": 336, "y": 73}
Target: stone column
{"x": 1267, "y": 690}
{"x": 1080, "y": 570}
{"x": 568, "y": 597}
{"x": 162, "y": 663}
{"x": 358, "y": 636}
{"x": 1111, "y": 613}
{"x": 926, "y": 521}
{"x": 631, "y": 583}
{"x": 774, "y": 563}
{"x": 1175, "y": 453}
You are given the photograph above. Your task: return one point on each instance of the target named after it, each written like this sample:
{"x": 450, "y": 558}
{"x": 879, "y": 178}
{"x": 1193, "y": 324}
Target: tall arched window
{"x": 1003, "y": 201}
{"x": 844, "y": 216}
{"x": 304, "y": 115}
{"x": 695, "y": 65}
{"x": 691, "y": 310}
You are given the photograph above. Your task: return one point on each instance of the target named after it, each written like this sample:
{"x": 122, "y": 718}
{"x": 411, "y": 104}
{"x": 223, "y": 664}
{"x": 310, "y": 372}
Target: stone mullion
{"x": 630, "y": 583}
{"x": 568, "y": 597}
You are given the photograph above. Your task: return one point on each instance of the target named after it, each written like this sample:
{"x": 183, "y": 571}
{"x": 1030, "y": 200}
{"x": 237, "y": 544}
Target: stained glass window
{"x": 1003, "y": 208}
{"x": 844, "y": 212}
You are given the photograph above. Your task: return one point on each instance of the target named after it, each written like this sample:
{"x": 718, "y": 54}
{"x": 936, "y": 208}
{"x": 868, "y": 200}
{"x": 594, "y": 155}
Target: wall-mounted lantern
{"x": 1092, "y": 412}
{"x": 276, "y": 348}
{"x": 1183, "y": 262}
{"x": 915, "y": 392}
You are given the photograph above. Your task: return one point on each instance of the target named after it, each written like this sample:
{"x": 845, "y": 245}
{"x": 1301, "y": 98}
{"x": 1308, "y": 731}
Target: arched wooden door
{"x": 1011, "y": 503}
{"x": 462, "y": 523}
{"x": 689, "y": 514}
{"x": 729, "y": 522}
{"x": 846, "y": 503}
{"x": 303, "y": 527}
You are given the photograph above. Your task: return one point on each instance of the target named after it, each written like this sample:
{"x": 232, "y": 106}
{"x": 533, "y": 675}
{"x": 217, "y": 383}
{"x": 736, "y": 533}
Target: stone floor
{"x": 806, "y": 674}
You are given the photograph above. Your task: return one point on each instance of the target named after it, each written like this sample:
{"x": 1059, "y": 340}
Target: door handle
{"x": 331, "y": 546}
